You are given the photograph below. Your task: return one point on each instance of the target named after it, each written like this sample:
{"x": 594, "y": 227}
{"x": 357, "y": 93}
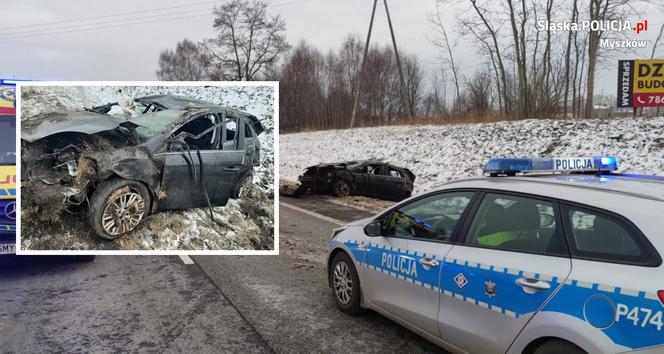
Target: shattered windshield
{"x": 7, "y": 140}
{"x": 152, "y": 124}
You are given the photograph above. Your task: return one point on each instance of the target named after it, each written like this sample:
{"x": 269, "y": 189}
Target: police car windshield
{"x": 7, "y": 140}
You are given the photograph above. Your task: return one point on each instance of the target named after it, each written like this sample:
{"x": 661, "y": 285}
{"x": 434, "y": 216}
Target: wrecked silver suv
{"x": 174, "y": 153}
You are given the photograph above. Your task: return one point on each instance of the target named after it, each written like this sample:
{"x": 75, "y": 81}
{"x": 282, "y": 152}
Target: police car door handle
{"x": 531, "y": 285}
{"x": 429, "y": 262}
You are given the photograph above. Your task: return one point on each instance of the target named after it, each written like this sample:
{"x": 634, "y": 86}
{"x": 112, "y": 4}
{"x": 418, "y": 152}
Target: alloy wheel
{"x": 343, "y": 283}
{"x": 123, "y": 213}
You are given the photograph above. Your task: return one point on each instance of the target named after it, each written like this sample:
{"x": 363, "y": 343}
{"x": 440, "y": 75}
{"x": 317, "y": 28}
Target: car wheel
{"x": 243, "y": 187}
{"x": 117, "y": 207}
{"x": 341, "y": 188}
{"x": 345, "y": 284}
{"x": 558, "y": 346}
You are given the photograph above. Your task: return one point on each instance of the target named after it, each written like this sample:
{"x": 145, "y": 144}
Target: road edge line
{"x": 186, "y": 259}
{"x": 242, "y": 316}
{"x": 314, "y": 214}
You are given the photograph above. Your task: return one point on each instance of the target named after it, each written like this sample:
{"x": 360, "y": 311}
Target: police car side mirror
{"x": 374, "y": 228}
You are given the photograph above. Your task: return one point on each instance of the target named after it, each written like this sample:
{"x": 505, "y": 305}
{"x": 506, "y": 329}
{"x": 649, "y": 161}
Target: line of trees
{"x": 525, "y": 71}
{"x": 535, "y": 73}
{"x": 317, "y": 91}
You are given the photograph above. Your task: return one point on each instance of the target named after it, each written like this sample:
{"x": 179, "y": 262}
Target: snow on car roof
{"x": 640, "y": 186}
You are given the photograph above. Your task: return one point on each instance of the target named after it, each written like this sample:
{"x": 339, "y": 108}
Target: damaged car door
{"x": 205, "y": 168}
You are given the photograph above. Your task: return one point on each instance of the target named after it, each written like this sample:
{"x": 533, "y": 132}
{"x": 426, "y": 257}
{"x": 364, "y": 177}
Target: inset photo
{"x": 170, "y": 167}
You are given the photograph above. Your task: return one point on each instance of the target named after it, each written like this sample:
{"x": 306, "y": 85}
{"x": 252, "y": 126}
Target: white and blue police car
{"x": 540, "y": 255}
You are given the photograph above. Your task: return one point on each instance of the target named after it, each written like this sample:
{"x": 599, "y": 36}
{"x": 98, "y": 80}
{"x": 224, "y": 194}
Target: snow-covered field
{"x": 241, "y": 224}
{"x": 439, "y": 153}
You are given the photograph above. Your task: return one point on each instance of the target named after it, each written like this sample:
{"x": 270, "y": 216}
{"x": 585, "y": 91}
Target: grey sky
{"x": 131, "y": 53}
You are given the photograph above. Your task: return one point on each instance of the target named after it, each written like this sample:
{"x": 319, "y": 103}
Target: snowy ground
{"x": 439, "y": 153}
{"x": 241, "y": 224}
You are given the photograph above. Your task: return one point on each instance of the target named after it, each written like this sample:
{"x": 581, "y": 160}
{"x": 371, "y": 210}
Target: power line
{"x": 111, "y": 15}
{"x": 103, "y": 27}
{"x": 158, "y": 9}
{"x": 290, "y": 3}
{"x": 47, "y": 30}
{"x": 118, "y": 22}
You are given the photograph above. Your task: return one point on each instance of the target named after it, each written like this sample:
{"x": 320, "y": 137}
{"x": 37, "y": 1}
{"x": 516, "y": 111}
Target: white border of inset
{"x": 273, "y": 84}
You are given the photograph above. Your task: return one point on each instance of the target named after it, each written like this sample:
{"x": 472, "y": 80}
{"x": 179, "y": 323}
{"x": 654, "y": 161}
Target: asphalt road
{"x": 116, "y": 304}
{"x": 287, "y": 298}
{"x": 250, "y": 304}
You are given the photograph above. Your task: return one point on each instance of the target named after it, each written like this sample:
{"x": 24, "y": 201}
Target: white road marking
{"x": 314, "y": 214}
{"x": 186, "y": 259}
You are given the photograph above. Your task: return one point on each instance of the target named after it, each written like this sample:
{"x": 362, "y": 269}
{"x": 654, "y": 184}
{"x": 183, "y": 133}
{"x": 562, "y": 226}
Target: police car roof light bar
{"x": 535, "y": 165}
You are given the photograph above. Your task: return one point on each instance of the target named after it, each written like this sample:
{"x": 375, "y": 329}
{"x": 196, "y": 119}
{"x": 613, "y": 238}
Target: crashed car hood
{"x": 43, "y": 125}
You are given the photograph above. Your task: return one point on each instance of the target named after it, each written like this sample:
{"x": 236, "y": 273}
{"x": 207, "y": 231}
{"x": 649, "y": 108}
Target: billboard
{"x": 641, "y": 83}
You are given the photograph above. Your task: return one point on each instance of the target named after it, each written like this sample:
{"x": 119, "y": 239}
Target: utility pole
{"x": 364, "y": 60}
{"x": 404, "y": 95}
{"x": 407, "y": 107}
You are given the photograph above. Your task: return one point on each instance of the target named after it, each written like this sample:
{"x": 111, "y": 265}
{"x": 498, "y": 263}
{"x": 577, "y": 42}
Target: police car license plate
{"x": 574, "y": 164}
{"x": 7, "y": 248}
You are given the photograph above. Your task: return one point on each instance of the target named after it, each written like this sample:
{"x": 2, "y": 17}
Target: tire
{"x": 345, "y": 284}
{"x": 556, "y": 346}
{"x": 341, "y": 188}
{"x": 111, "y": 191}
{"x": 243, "y": 186}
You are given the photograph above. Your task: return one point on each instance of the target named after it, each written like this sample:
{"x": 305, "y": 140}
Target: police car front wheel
{"x": 555, "y": 346}
{"x": 345, "y": 284}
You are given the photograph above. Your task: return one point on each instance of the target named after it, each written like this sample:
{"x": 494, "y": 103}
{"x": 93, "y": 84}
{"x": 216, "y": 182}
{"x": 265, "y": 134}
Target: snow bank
{"x": 439, "y": 153}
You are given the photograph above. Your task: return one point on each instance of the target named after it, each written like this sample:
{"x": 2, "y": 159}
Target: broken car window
{"x": 395, "y": 173}
{"x": 230, "y": 133}
{"x": 247, "y": 131}
{"x": 156, "y": 123}
{"x": 196, "y": 127}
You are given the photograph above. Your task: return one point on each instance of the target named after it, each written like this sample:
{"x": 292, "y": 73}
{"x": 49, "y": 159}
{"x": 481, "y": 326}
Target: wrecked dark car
{"x": 173, "y": 153}
{"x": 370, "y": 178}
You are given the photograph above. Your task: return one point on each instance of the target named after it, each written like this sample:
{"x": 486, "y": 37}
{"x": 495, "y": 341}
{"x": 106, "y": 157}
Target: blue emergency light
{"x": 11, "y": 82}
{"x": 511, "y": 166}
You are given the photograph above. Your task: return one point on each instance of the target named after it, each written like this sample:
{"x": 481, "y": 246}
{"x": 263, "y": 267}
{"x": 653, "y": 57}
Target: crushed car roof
{"x": 46, "y": 124}
{"x": 174, "y": 102}
{"x": 351, "y": 164}
{"x": 184, "y": 103}
{"x": 88, "y": 122}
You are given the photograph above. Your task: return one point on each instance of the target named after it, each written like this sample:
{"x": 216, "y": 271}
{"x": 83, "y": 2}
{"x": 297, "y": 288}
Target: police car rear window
{"x": 601, "y": 236}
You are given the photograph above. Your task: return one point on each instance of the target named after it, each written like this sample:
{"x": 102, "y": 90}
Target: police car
{"x": 538, "y": 256}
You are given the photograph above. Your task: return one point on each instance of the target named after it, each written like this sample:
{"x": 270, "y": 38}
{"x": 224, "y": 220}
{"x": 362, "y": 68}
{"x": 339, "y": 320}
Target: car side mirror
{"x": 374, "y": 228}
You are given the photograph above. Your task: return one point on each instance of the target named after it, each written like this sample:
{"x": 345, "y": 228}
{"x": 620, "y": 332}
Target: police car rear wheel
{"x": 345, "y": 284}
{"x": 558, "y": 346}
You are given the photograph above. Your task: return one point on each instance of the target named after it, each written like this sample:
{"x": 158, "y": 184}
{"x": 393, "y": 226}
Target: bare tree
{"x": 491, "y": 40}
{"x": 568, "y": 49}
{"x": 478, "y": 93}
{"x": 249, "y": 39}
{"x": 186, "y": 63}
{"x": 442, "y": 41}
